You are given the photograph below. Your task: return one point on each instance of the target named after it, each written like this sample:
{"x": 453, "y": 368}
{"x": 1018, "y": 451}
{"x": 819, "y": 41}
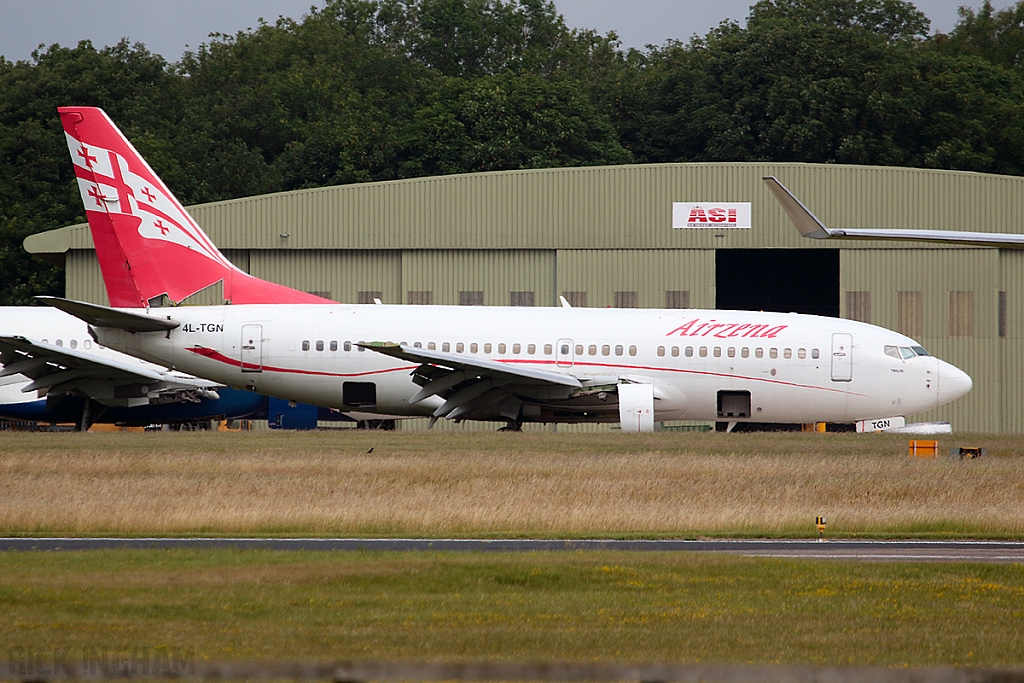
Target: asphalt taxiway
{"x": 850, "y": 550}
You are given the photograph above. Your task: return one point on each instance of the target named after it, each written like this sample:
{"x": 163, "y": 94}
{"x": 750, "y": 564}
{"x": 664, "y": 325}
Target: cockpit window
{"x": 905, "y": 352}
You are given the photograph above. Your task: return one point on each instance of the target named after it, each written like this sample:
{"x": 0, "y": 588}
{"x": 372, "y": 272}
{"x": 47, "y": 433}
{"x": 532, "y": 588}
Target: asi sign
{"x": 711, "y": 215}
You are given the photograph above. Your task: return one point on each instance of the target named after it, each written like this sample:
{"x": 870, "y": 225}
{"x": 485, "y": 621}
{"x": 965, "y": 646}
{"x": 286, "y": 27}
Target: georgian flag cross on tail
{"x": 139, "y": 222}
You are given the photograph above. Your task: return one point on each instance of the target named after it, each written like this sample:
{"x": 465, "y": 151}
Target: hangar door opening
{"x": 782, "y": 280}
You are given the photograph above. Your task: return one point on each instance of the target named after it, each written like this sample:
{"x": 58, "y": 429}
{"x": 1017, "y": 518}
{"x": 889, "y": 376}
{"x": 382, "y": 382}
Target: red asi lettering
{"x": 716, "y": 215}
{"x": 697, "y": 215}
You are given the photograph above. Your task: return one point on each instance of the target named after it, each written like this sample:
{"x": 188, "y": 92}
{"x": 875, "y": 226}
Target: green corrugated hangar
{"x": 604, "y": 237}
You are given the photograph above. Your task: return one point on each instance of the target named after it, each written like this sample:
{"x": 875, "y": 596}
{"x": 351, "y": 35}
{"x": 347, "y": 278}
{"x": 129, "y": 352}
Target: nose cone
{"x": 953, "y": 383}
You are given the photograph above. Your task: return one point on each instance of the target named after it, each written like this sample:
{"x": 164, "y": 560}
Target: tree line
{"x": 367, "y": 90}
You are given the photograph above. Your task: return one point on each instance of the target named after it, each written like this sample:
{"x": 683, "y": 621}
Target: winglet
{"x": 805, "y": 221}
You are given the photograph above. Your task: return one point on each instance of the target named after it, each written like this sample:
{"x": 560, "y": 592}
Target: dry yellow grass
{"x": 462, "y": 484}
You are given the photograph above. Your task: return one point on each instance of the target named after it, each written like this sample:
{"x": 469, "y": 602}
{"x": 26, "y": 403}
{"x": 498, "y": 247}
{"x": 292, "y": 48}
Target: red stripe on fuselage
{"x": 684, "y": 371}
{"x": 220, "y": 357}
{"x": 216, "y": 355}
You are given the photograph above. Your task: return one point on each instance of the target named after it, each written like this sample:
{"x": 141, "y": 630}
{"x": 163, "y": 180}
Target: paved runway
{"x": 888, "y": 551}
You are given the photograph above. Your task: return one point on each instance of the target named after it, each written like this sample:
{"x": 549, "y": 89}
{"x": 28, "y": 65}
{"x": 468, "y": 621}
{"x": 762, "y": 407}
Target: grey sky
{"x": 166, "y": 27}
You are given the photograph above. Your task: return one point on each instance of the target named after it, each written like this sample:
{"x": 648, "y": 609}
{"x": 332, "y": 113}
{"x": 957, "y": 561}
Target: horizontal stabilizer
{"x": 101, "y": 316}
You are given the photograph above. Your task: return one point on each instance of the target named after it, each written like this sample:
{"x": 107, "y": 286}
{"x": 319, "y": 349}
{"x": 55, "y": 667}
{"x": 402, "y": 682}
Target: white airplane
{"x": 811, "y": 227}
{"x": 631, "y": 366}
{"x": 53, "y": 371}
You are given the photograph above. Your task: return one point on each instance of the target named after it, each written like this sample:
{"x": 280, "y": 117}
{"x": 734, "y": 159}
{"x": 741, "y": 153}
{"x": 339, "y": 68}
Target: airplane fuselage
{"x": 703, "y": 364}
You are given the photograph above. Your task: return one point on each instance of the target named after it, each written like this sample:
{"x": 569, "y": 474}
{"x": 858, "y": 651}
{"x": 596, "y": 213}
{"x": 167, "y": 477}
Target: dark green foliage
{"x": 996, "y": 36}
{"x": 364, "y": 90}
{"x": 890, "y": 19}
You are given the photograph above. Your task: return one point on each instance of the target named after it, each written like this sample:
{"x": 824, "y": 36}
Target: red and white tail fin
{"x": 148, "y": 246}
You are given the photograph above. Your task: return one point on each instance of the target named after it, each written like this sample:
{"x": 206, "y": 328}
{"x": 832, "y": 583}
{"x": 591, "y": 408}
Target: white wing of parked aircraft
{"x": 514, "y": 364}
{"x": 48, "y": 360}
{"x": 812, "y": 227}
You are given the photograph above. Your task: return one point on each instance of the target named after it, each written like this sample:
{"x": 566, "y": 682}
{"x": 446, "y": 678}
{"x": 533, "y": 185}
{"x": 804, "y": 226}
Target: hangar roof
{"x": 608, "y": 207}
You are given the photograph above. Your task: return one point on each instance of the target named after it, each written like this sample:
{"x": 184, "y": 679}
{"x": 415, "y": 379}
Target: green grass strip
{"x": 229, "y": 604}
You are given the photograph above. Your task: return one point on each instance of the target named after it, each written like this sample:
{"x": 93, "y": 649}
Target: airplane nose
{"x": 953, "y": 383}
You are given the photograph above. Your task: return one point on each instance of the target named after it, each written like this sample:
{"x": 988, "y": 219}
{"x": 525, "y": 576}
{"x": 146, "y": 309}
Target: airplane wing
{"x": 468, "y": 384}
{"x": 55, "y": 370}
{"x": 811, "y": 226}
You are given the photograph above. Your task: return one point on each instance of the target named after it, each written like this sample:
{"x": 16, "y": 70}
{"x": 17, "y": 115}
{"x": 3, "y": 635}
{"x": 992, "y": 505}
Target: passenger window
{"x": 548, "y": 349}
{"x": 487, "y": 347}
{"x": 787, "y": 353}
{"x": 87, "y": 344}
{"x": 773, "y": 353}
{"x": 460, "y": 347}
{"x": 305, "y": 345}
{"x": 592, "y": 350}
{"x": 531, "y": 349}
{"x": 703, "y": 352}
{"x": 360, "y": 349}
{"x": 632, "y": 350}
{"x": 445, "y": 346}
{"x": 417, "y": 345}
{"x": 73, "y": 343}
{"x": 758, "y": 352}
{"x": 675, "y": 352}
{"x": 745, "y": 352}
{"x": 661, "y": 350}
{"x": 579, "y": 349}
{"x": 689, "y": 352}
{"x": 731, "y": 352}
{"x": 60, "y": 342}
{"x": 473, "y": 347}
{"x": 431, "y": 346}
{"x": 801, "y": 353}
{"x": 718, "y": 352}
{"x": 606, "y": 350}
{"x": 815, "y": 353}
{"x": 319, "y": 344}
{"x": 618, "y": 349}
{"x": 893, "y": 351}
{"x": 334, "y": 345}
{"x": 516, "y": 348}
{"x": 501, "y": 348}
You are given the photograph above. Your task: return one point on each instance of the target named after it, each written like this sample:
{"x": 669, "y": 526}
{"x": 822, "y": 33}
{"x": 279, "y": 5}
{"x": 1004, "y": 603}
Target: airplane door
{"x": 842, "y": 357}
{"x": 564, "y": 356}
{"x": 252, "y": 348}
